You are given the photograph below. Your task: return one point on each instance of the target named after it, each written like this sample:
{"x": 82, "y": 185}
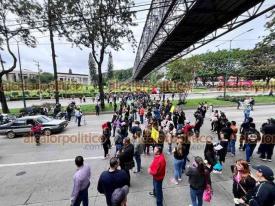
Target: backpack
{"x": 171, "y": 127}
{"x": 252, "y": 135}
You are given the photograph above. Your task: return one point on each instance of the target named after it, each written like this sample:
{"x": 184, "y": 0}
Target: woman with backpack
{"x": 179, "y": 158}
{"x": 253, "y": 136}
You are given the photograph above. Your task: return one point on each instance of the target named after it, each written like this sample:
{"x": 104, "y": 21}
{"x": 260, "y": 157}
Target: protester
{"x": 243, "y": 183}
{"x": 179, "y": 158}
{"x": 253, "y": 136}
{"x": 112, "y": 179}
{"x": 233, "y": 138}
{"x": 199, "y": 177}
{"x": 81, "y": 183}
{"x": 264, "y": 193}
{"x": 78, "y": 115}
{"x": 210, "y": 155}
{"x": 157, "y": 170}
{"x": 138, "y": 150}
{"x": 244, "y": 129}
{"x": 126, "y": 155}
{"x": 268, "y": 140}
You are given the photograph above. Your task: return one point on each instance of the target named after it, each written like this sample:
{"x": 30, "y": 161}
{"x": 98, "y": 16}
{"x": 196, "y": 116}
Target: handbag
{"x": 207, "y": 193}
{"x": 218, "y": 166}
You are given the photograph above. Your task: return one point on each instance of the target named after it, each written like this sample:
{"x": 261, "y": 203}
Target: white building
{"x": 14, "y": 76}
{"x": 73, "y": 77}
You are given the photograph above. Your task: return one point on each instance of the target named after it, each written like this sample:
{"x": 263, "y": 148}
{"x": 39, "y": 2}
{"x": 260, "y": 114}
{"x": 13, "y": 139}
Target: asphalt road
{"x": 42, "y": 176}
{"x": 65, "y": 102}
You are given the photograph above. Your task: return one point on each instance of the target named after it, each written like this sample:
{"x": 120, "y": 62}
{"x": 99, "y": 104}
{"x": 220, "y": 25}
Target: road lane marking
{"x": 47, "y": 162}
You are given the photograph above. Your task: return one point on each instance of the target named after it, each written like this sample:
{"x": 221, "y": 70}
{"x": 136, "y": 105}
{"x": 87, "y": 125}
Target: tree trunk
{"x": 4, "y": 105}
{"x": 53, "y": 53}
{"x": 100, "y": 86}
{"x": 267, "y": 81}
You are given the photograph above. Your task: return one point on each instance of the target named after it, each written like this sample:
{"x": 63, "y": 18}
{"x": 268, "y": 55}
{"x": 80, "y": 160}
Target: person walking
{"x": 112, "y": 179}
{"x": 81, "y": 183}
{"x": 97, "y": 109}
{"x": 199, "y": 177}
{"x": 105, "y": 140}
{"x": 157, "y": 170}
{"x": 78, "y": 115}
{"x": 36, "y": 131}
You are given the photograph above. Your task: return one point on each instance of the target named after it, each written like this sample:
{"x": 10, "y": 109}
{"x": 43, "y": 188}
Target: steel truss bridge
{"x": 174, "y": 28}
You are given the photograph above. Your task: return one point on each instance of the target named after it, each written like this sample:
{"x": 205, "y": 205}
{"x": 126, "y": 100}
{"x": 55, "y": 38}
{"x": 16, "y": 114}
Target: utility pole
{"x": 21, "y": 76}
{"x": 39, "y": 80}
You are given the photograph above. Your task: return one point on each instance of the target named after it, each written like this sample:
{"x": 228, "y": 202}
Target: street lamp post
{"x": 21, "y": 76}
{"x": 39, "y": 80}
{"x": 229, "y": 60}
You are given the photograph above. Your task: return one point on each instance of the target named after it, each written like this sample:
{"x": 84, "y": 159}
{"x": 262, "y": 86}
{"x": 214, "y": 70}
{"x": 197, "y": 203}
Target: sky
{"x": 76, "y": 59}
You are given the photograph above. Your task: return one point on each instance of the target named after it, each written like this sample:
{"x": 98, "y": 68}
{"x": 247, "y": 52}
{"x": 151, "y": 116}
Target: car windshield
{"x": 43, "y": 119}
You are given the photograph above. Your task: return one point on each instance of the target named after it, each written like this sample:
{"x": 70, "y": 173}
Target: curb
{"x": 188, "y": 108}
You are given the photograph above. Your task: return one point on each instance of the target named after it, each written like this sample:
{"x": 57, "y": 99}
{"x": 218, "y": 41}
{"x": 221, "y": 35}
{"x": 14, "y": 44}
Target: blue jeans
{"x": 249, "y": 148}
{"x": 158, "y": 191}
{"x": 82, "y": 197}
{"x": 138, "y": 161}
{"x": 231, "y": 146}
{"x": 178, "y": 168}
{"x": 196, "y": 197}
{"x": 179, "y": 127}
{"x": 141, "y": 119}
{"x": 184, "y": 164}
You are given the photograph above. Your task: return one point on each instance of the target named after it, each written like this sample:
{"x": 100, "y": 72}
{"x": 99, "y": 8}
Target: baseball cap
{"x": 186, "y": 121}
{"x": 266, "y": 171}
{"x": 119, "y": 195}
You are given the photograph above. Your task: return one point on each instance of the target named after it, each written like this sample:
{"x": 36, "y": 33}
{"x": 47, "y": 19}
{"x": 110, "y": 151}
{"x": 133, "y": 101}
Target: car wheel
{"x": 11, "y": 135}
{"x": 47, "y": 132}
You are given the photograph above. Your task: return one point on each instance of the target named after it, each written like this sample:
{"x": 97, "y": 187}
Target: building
{"x": 73, "y": 77}
{"x": 14, "y": 76}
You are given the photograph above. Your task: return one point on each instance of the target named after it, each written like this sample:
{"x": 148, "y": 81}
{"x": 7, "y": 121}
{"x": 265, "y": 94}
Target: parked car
{"x": 20, "y": 127}
{"x": 6, "y": 118}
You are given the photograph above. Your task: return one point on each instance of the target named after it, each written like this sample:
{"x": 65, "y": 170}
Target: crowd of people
{"x": 143, "y": 125}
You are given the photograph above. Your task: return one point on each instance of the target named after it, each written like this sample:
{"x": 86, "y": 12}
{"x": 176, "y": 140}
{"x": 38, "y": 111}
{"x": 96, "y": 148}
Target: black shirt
{"x": 227, "y": 132}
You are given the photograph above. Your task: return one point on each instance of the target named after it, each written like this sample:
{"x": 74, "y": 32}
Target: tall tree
{"x": 103, "y": 24}
{"x": 92, "y": 70}
{"x": 21, "y": 11}
{"x": 110, "y": 67}
{"x": 49, "y": 19}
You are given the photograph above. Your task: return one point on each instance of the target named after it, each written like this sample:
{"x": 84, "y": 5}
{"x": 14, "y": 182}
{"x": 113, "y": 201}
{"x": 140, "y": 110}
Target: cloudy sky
{"x": 77, "y": 60}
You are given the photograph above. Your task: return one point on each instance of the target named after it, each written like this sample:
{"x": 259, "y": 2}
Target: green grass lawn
{"x": 191, "y": 103}
{"x": 199, "y": 90}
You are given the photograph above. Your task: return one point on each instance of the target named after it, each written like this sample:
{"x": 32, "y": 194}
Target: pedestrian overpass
{"x": 174, "y": 28}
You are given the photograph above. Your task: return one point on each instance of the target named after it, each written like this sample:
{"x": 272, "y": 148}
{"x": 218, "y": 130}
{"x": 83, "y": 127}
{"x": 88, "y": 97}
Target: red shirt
{"x": 141, "y": 111}
{"x": 187, "y": 128}
{"x": 158, "y": 167}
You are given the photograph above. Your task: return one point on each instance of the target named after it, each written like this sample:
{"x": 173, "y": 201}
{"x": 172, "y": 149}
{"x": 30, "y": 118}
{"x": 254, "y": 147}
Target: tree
{"x": 123, "y": 74}
{"x": 21, "y": 11}
{"x": 46, "y": 77}
{"x": 110, "y": 67}
{"x": 103, "y": 24}
{"x": 49, "y": 19}
{"x": 92, "y": 70}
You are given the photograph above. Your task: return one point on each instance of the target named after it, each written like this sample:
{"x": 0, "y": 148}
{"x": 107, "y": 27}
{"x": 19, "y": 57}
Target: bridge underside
{"x": 203, "y": 18}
